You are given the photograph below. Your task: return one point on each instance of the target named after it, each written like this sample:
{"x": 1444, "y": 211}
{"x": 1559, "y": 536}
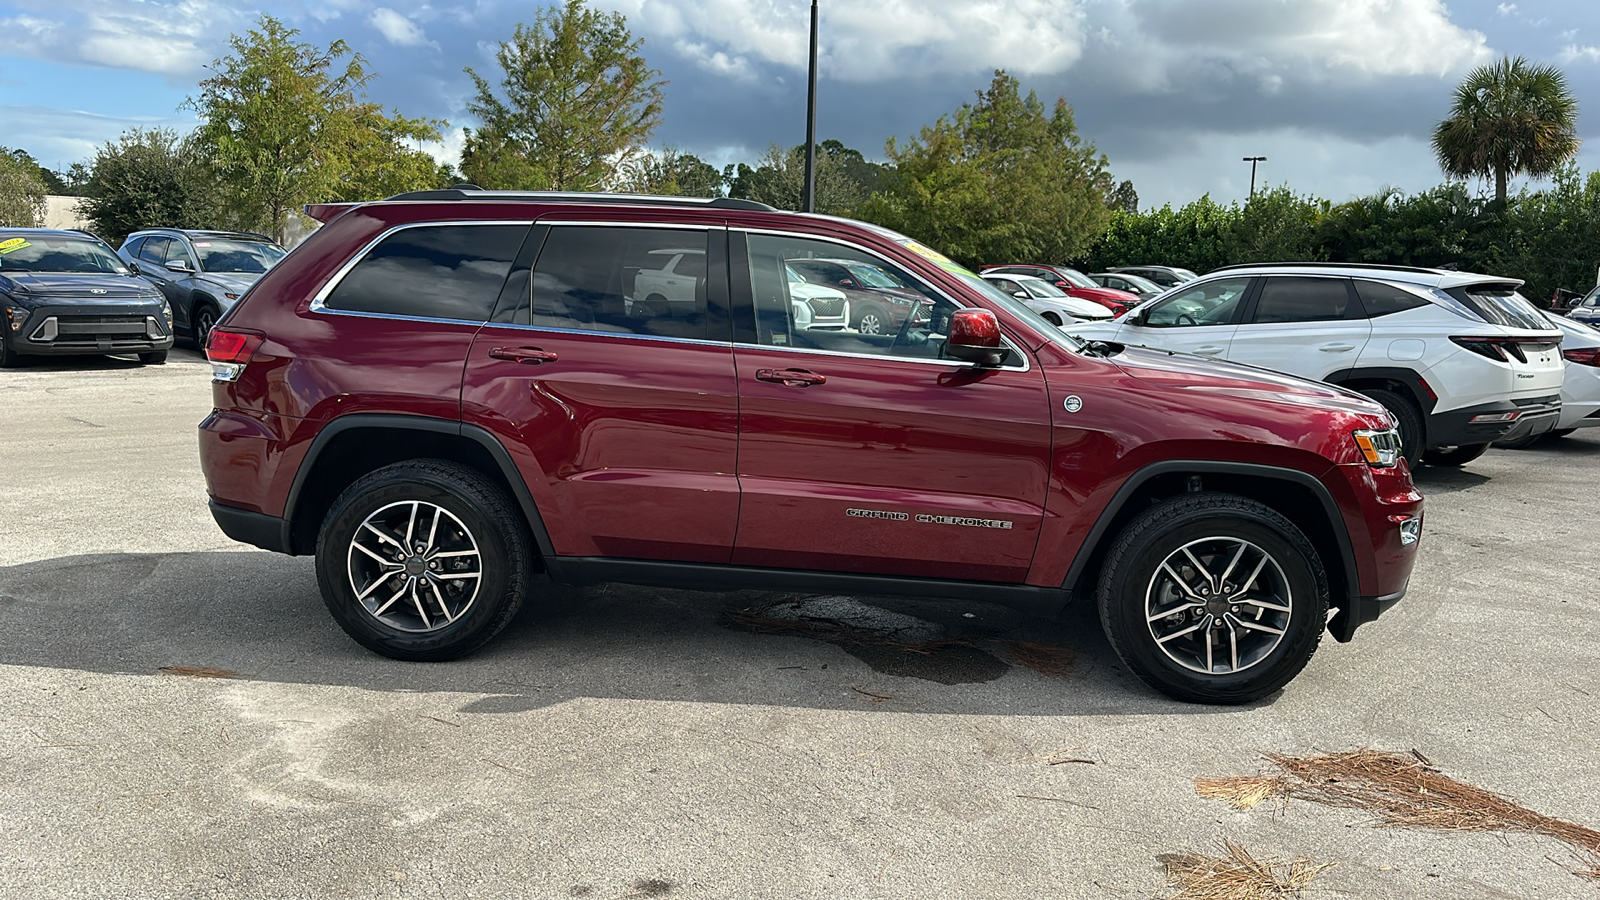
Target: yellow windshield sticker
{"x": 14, "y": 244}
{"x": 938, "y": 259}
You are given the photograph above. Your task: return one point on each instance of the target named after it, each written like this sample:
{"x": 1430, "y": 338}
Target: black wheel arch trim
{"x": 1102, "y": 525}
{"x": 1411, "y": 378}
{"x": 479, "y": 435}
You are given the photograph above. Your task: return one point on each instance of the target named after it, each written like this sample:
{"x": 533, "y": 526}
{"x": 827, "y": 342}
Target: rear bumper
{"x": 1456, "y": 428}
{"x": 246, "y": 527}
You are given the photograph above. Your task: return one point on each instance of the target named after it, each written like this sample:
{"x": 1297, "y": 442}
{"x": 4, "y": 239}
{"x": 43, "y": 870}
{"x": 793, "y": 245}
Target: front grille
{"x": 828, "y": 307}
{"x": 109, "y": 327}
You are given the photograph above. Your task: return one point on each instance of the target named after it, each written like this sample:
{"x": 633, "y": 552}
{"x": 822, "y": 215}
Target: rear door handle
{"x": 790, "y": 377}
{"x": 1210, "y": 350}
{"x": 528, "y": 356}
{"x": 1336, "y": 348}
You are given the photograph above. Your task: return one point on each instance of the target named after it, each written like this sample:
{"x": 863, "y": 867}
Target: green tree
{"x": 148, "y": 179}
{"x": 779, "y": 177}
{"x": 1001, "y": 179}
{"x": 579, "y": 102}
{"x": 1507, "y": 119}
{"x": 286, "y": 123}
{"x": 671, "y": 172}
{"x": 22, "y": 191}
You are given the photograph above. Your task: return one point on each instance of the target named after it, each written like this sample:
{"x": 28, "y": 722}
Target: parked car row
{"x": 67, "y": 292}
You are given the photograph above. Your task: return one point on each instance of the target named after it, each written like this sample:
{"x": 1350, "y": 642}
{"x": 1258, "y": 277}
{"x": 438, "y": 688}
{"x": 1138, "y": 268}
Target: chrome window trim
{"x": 319, "y": 300}
{"x": 1027, "y": 363}
{"x": 665, "y": 226}
{"x": 609, "y": 334}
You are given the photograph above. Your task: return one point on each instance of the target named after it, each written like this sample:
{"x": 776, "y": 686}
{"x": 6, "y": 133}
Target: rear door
{"x": 1306, "y": 325}
{"x": 875, "y": 454}
{"x": 622, "y": 416}
{"x": 1200, "y": 319}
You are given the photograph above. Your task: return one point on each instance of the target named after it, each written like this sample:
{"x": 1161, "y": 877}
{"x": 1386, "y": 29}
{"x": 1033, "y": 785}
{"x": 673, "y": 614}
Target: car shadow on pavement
{"x": 184, "y": 352}
{"x": 1445, "y": 479}
{"x": 259, "y": 616}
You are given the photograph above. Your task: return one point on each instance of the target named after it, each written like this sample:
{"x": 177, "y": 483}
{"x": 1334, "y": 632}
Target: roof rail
{"x": 1342, "y": 265}
{"x": 469, "y": 192}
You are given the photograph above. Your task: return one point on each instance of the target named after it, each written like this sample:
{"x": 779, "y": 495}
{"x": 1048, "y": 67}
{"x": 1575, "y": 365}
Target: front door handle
{"x": 1209, "y": 350}
{"x": 528, "y": 356}
{"x": 1336, "y": 348}
{"x": 790, "y": 377}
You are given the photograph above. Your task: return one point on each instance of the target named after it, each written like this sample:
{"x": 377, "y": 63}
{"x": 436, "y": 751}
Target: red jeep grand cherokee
{"x": 450, "y": 396}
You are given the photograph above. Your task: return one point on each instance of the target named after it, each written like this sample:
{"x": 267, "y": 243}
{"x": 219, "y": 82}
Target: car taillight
{"x": 1588, "y": 356}
{"x": 230, "y": 351}
{"x": 1505, "y": 349}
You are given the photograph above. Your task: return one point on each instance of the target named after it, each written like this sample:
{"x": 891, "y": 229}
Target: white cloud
{"x": 1574, "y": 53}
{"x": 862, "y": 41}
{"x": 399, "y": 30}
{"x": 167, "y": 38}
{"x": 447, "y": 150}
{"x": 1506, "y": 9}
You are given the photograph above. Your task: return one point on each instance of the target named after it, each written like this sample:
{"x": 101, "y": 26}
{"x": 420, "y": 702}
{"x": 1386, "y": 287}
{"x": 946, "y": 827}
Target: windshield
{"x": 253, "y": 257}
{"x": 1143, "y": 284}
{"x": 1502, "y": 306}
{"x": 1075, "y": 278}
{"x": 872, "y": 276}
{"x": 57, "y": 253}
{"x": 1041, "y": 288}
{"x": 1185, "y": 274}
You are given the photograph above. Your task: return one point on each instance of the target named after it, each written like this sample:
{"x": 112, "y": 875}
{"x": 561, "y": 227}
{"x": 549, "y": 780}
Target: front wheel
{"x": 424, "y": 560}
{"x": 1213, "y": 598}
{"x": 1454, "y": 456}
{"x": 874, "y": 320}
{"x": 1052, "y": 318}
{"x": 9, "y": 358}
{"x": 204, "y": 319}
{"x": 154, "y": 358}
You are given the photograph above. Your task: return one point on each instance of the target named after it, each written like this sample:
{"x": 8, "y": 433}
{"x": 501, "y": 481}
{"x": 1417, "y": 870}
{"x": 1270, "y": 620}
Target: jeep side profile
{"x": 449, "y": 401}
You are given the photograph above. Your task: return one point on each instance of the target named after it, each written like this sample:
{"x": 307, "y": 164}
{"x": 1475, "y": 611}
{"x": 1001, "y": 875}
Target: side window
{"x": 177, "y": 252}
{"x": 432, "y": 272}
{"x": 644, "y": 281}
{"x": 133, "y": 246}
{"x": 1381, "y": 299}
{"x": 155, "y": 250}
{"x": 1007, "y": 285}
{"x": 1212, "y": 303}
{"x": 793, "y": 312}
{"x": 1285, "y": 299}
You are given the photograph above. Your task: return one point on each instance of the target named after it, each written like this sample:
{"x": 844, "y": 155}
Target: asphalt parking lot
{"x": 630, "y": 742}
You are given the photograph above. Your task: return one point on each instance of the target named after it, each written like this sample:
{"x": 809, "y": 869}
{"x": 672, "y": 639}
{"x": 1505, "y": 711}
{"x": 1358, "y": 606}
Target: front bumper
{"x": 59, "y": 330}
{"x": 1360, "y": 612}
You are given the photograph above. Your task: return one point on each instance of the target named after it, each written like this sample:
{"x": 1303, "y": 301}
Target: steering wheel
{"x": 1180, "y": 319}
{"x": 905, "y": 337}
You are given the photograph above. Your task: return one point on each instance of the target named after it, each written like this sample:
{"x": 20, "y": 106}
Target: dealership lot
{"x": 632, "y": 742}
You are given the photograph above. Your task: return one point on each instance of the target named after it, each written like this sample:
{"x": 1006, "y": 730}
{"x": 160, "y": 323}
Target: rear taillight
{"x": 230, "y": 351}
{"x": 1587, "y": 356}
{"x": 1505, "y": 349}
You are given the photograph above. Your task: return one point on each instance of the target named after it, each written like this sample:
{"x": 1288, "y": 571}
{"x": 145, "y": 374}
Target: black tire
{"x": 1454, "y": 456}
{"x": 481, "y": 516}
{"x": 202, "y": 318}
{"x": 1133, "y": 578}
{"x": 1408, "y": 420}
{"x": 154, "y": 358}
{"x": 1052, "y": 318}
{"x": 9, "y": 358}
{"x": 872, "y": 319}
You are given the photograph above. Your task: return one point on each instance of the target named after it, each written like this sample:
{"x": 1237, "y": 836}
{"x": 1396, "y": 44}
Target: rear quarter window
{"x": 1381, "y": 299}
{"x": 1501, "y": 306}
{"x": 431, "y": 272}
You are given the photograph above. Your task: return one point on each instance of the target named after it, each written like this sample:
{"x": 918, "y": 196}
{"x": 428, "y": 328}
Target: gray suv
{"x": 201, "y": 273}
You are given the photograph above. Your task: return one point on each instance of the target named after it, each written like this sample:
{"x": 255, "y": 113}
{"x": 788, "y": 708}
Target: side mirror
{"x": 178, "y": 265}
{"x": 134, "y": 267}
{"x": 975, "y": 338}
{"x": 1020, "y": 295}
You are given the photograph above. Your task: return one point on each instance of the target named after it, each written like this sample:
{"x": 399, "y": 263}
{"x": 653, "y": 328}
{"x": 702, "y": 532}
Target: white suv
{"x": 1460, "y": 360}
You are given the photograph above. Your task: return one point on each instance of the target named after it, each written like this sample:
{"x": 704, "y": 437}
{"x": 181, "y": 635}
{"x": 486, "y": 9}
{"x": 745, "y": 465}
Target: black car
{"x": 66, "y": 292}
{"x": 201, "y": 273}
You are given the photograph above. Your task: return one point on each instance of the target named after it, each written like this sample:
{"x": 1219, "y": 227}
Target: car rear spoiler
{"x": 327, "y": 212}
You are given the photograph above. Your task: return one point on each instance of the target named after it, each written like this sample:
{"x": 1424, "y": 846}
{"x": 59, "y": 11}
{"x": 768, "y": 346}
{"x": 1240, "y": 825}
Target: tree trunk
{"x": 1500, "y": 186}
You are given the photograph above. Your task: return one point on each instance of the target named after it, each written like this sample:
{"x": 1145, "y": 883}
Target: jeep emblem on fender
{"x": 1073, "y": 403}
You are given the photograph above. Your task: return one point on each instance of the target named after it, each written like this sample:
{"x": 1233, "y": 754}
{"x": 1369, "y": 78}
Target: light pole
{"x": 808, "y": 200}
{"x": 1252, "y": 160}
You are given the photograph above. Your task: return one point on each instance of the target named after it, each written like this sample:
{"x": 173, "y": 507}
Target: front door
{"x": 619, "y": 410}
{"x": 1303, "y": 325}
{"x": 874, "y": 453}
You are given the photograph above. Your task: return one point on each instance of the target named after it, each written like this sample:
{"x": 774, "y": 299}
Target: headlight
{"x": 1380, "y": 448}
{"x": 16, "y": 315}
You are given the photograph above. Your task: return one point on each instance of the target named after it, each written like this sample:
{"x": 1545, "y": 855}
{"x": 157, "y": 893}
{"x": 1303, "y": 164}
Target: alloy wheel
{"x": 414, "y": 566}
{"x": 1218, "y": 605}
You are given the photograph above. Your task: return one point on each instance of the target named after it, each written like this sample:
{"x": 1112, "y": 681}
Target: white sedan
{"x": 1048, "y": 300}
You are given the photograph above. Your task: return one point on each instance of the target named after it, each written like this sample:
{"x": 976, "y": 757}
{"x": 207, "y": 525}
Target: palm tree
{"x": 1508, "y": 118}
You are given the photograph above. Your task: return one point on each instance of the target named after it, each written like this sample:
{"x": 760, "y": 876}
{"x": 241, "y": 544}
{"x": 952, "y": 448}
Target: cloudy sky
{"x": 1339, "y": 95}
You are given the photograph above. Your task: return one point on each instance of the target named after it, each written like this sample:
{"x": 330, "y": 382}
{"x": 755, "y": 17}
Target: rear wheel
{"x": 1213, "y": 598}
{"x": 202, "y": 320}
{"x": 1408, "y": 421}
{"x": 424, "y": 560}
{"x": 1454, "y": 456}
